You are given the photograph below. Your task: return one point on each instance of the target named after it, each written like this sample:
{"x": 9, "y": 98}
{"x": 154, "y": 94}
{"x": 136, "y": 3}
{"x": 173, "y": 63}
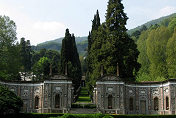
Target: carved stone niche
{"x": 110, "y": 89}
{"x": 142, "y": 92}
{"x": 155, "y": 92}
{"x": 58, "y": 88}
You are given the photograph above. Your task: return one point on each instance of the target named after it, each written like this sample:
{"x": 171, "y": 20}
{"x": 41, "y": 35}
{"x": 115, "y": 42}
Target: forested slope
{"x": 157, "y": 47}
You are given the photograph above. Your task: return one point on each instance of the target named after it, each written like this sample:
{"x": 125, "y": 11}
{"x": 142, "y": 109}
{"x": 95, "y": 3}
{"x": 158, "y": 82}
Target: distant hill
{"x": 59, "y": 40}
{"x": 153, "y": 22}
{"x": 82, "y": 42}
{"x": 56, "y": 44}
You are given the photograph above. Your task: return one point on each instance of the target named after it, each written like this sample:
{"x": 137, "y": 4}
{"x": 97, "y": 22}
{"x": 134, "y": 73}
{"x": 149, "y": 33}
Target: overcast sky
{"x": 43, "y": 20}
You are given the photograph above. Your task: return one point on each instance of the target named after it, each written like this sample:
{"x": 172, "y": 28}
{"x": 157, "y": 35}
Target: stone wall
{"x": 40, "y": 97}
{"x": 112, "y": 95}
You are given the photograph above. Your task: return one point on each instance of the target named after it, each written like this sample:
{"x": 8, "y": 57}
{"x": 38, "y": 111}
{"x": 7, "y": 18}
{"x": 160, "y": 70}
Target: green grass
{"x": 84, "y": 99}
{"x": 84, "y": 96}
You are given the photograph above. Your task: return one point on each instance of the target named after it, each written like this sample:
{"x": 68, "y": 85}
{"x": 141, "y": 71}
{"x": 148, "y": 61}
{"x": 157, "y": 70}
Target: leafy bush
{"x": 9, "y": 101}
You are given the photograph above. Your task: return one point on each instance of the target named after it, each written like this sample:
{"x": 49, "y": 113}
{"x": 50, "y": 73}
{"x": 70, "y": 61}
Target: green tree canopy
{"x": 42, "y": 68}
{"x": 9, "y": 51}
{"x": 156, "y": 51}
{"x": 52, "y": 55}
{"x": 171, "y": 56}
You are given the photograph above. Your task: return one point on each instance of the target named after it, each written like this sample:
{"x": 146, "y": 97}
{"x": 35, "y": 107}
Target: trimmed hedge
{"x": 32, "y": 115}
{"x": 98, "y": 115}
{"x": 114, "y": 116}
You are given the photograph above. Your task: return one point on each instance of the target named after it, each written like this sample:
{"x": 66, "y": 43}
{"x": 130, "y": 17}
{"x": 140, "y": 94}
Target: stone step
{"x": 83, "y": 111}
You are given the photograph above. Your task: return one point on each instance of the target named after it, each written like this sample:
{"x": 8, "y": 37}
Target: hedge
{"x": 31, "y": 115}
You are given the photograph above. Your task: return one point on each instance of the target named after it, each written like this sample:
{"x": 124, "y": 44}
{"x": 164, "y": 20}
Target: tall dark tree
{"x": 70, "y": 57}
{"x": 25, "y": 55}
{"x": 28, "y": 55}
{"x": 92, "y": 48}
{"x": 110, "y": 44}
{"x": 115, "y": 17}
{"x": 96, "y": 21}
{"x": 123, "y": 48}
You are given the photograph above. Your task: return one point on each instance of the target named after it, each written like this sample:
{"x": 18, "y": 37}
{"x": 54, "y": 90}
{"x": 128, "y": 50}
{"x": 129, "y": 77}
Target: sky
{"x": 44, "y": 20}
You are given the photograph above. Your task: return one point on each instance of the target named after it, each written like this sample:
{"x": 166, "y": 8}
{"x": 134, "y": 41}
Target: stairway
{"x": 84, "y": 96}
{"x": 83, "y": 105}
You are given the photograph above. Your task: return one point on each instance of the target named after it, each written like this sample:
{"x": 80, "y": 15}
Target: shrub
{"x": 9, "y": 101}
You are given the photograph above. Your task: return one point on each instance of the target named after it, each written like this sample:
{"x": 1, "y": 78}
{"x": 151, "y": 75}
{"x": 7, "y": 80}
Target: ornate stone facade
{"x": 112, "y": 95}
{"x": 49, "y": 96}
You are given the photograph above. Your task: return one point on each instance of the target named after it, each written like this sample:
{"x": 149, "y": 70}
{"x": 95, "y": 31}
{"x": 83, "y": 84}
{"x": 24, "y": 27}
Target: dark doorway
{"x": 57, "y": 101}
{"x": 156, "y": 104}
{"x": 131, "y": 104}
{"x": 110, "y": 102}
{"x": 36, "y": 106}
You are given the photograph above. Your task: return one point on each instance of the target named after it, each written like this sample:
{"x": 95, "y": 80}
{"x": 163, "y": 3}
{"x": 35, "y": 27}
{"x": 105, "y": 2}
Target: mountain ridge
{"x": 152, "y": 22}
{"x": 82, "y": 42}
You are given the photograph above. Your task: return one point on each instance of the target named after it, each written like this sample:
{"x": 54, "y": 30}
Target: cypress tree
{"x": 29, "y": 55}
{"x": 70, "y": 56}
{"x": 91, "y": 56}
{"x": 115, "y": 17}
{"x": 64, "y": 52}
{"x": 25, "y": 55}
{"x": 123, "y": 49}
